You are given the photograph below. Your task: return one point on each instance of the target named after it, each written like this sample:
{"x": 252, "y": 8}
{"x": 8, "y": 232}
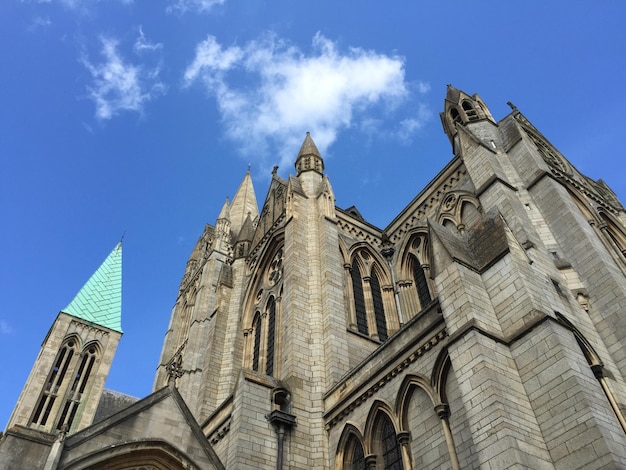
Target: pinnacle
{"x": 244, "y": 203}
{"x": 308, "y": 147}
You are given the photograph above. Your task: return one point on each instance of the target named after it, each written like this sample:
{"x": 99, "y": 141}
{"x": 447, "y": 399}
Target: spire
{"x": 244, "y": 203}
{"x": 225, "y": 212}
{"x": 99, "y": 301}
{"x": 309, "y": 157}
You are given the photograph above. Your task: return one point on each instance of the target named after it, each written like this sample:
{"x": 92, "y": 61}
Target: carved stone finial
{"x": 513, "y": 107}
{"x": 275, "y": 170}
{"x": 174, "y": 369}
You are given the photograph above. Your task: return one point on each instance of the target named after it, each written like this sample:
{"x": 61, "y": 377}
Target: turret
{"x": 309, "y": 165}
{"x": 461, "y": 109}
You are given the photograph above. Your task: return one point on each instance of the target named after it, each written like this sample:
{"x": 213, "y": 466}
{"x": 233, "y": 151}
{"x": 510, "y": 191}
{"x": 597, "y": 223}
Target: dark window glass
{"x": 359, "y": 299}
{"x": 271, "y": 329}
{"x": 257, "y": 341}
{"x": 420, "y": 283}
{"x": 358, "y": 457}
{"x": 379, "y": 309}
{"x": 392, "y": 456}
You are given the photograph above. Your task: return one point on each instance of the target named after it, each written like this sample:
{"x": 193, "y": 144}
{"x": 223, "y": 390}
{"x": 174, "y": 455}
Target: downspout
{"x": 281, "y": 421}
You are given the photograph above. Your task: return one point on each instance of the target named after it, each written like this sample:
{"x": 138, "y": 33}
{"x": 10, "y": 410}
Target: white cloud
{"x": 270, "y": 93}
{"x": 118, "y": 85}
{"x": 142, "y": 44}
{"x": 201, "y": 6}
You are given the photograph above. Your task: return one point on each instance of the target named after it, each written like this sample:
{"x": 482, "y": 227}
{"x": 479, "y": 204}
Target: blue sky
{"x": 141, "y": 116}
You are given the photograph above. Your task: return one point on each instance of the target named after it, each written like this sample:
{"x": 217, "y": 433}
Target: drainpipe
{"x": 282, "y": 422}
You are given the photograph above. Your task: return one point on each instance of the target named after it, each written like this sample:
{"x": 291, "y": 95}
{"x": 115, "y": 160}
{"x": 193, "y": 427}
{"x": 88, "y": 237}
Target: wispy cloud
{"x": 117, "y": 85}
{"x": 142, "y": 44}
{"x": 269, "y": 92}
{"x": 80, "y": 6}
{"x": 5, "y": 328}
{"x": 39, "y": 22}
{"x": 199, "y": 6}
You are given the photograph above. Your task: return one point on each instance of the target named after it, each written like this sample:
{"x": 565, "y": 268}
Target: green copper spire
{"x": 100, "y": 299}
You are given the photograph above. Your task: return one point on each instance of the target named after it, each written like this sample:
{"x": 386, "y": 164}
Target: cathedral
{"x": 484, "y": 327}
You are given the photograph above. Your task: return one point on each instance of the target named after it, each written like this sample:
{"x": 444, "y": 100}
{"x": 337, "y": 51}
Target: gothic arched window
{"x": 420, "y": 283}
{"x": 354, "y": 456}
{"x": 55, "y": 382}
{"x": 256, "y": 325}
{"x": 470, "y": 111}
{"x": 389, "y": 446}
{"x": 75, "y": 393}
{"x": 359, "y": 299}
{"x": 454, "y": 114}
{"x": 271, "y": 330}
{"x": 379, "y": 309}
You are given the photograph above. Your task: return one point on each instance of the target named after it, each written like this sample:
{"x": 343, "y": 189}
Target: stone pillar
{"x": 443, "y": 411}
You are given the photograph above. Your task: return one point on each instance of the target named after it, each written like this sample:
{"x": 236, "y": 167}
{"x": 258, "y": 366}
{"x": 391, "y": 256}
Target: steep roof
{"x": 99, "y": 301}
{"x": 308, "y": 147}
{"x": 244, "y": 203}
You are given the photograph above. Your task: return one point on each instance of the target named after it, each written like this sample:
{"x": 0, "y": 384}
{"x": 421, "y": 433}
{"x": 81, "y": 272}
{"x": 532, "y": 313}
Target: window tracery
{"x": 372, "y": 306}
{"x": 56, "y": 379}
{"x": 82, "y": 375}
{"x": 415, "y": 289}
{"x": 262, "y": 345}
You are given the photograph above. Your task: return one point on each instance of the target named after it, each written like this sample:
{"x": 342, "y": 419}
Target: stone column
{"x": 443, "y": 411}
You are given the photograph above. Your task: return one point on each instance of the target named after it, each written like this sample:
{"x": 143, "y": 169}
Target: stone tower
{"x": 64, "y": 387}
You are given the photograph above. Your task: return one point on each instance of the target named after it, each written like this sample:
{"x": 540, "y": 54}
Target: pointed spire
{"x": 225, "y": 212}
{"x": 99, "y": 301}
{"x": 244, "y": 203}
{"x": 309, "y": 157}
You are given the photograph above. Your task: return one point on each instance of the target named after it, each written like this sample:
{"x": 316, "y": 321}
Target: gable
{"x": 158, "y": 430}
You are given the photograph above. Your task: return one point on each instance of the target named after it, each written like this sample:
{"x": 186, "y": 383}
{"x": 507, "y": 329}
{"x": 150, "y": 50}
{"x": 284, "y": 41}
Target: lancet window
{"x": 391, "y": 453}
{"x": 470, "y": 111}
{"x": 359, "y": 299}
{"x": 456, "y": 117}
{"x": 354, "y": 456}
{"x": 67, "y": 382}
{"x": 56, "y": 379}
{"x": 256, "y": 325}
{"x": 414, "y": 288}
{"x": 385, "y": 444}
{"x": 271, "y": 332}
{"x": 373, "y": 311}
{"x": 74, "y": 395}
{"x": 421, "y": 285}
{"x": 379, "y": 308}
{"x": 262, "y": 346}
